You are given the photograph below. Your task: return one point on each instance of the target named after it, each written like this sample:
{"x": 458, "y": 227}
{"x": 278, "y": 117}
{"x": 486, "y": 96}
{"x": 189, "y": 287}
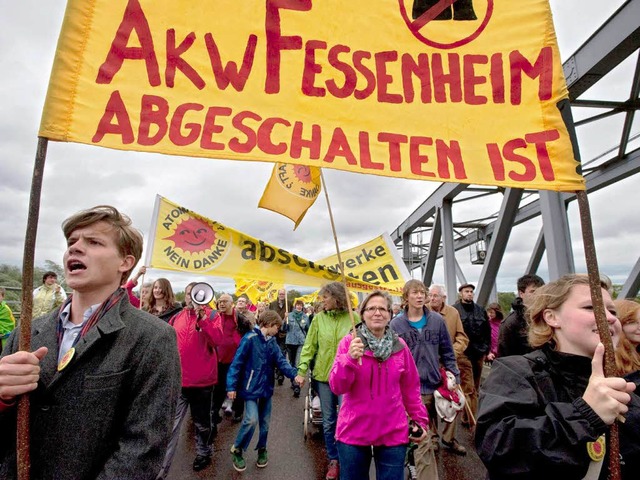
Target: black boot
{"x": 463, "y": 10}
{"x": 421, "y": 6}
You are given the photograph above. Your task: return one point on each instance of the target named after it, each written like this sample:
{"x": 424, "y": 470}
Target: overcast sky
{"x": 78, "y": 176}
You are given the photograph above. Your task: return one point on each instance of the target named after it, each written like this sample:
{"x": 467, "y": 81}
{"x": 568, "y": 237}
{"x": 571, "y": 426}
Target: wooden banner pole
{"x": 601, "y": 321}
{"x": 22, "y": 441}
{"x": 335, "y": 239}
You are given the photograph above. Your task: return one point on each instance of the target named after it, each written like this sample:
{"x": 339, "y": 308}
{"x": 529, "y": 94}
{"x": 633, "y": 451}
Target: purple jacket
{"x": 377, "y": 396}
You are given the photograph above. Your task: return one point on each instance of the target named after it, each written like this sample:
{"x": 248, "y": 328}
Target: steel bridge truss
{"x": 487, "y": 237}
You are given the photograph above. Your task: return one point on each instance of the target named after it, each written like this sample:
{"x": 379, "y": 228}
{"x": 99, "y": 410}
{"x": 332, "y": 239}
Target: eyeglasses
{"x": 376, "y": 309}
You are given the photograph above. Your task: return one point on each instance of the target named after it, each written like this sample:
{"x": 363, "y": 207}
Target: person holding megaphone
{"x": 197, "y": 343}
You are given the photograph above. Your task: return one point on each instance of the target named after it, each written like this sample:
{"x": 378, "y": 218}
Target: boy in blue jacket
{"x": 252, "y": 375}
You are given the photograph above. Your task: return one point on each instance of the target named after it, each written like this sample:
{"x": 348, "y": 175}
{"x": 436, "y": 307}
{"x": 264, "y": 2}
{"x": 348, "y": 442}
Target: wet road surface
{"x": 290, "y": 456}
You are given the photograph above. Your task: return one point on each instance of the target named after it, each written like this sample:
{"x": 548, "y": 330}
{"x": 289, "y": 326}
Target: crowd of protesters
{"x": 113, "y": 372}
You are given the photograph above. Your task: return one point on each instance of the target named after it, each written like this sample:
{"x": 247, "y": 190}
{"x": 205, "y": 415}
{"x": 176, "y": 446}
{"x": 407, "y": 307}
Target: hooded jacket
{"x": 252, "y": 372}
{"x": 377, "y": 396}
{"x": 196, "y": 346}
{"x": 429, "y": 348}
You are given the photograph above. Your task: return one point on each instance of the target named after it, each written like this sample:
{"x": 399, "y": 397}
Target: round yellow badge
{"x": 597, "y": 449}
{"x": 66, "y": 358}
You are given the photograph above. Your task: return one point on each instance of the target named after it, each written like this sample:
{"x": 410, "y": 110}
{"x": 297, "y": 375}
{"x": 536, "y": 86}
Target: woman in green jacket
{"x": 320, "y": 346}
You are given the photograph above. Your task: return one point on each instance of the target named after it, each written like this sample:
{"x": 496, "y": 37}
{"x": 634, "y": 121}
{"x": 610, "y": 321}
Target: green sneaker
{"x": 263, "y": 460}
{"x": 238, "y": 462}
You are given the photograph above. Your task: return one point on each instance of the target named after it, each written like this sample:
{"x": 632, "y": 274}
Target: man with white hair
{"x": 459, "y": 341}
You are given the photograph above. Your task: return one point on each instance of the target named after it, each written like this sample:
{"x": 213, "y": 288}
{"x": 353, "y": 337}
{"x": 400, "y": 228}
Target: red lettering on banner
{"x": 312, "y": 144}
{"x": 210, "y": 128}
{"x": 540, "y": 140}
{"x": 276, "y": 42}
{"x": 450, "y": 153}
{"x": 133, "y": 19}
{"x": 395, "y": 155}
{"x": 384, "y": 79}
{"x": 497, "y": 78}
{"x": 542, "y": 69}
{"x": 495, "y": 159}
{"x": 440, "y": 78}
{"x": 422, "y": 71}
{"x": 339, "y": 147}
{"x": 115, "y": 108}
{"x": 194, "y": 129}
{"x": 153, "y": 111}
{"x": 471, "y": 79}
{"x": 311, "y": 69}
{"x": 416, "y": 159}
{"x": 230, "y": 74}
{"x": 365, "y": 153}
{"x": 366, "y": 72}
{"x": 509, "y": 153}
{"x": 350, "y": 77}
{"x": 252, "y": 137}
{"x": 176, "y": 62}
{"x": 264, "y": 136}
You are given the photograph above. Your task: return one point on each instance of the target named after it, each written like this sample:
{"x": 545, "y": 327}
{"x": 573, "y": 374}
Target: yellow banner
{"x": 377, "y": 261}
{"x": 400, "y": 88}
{"x": 257, "y": 290}
{"x": 291, "y": 190}
{"x": 184, "y": 241}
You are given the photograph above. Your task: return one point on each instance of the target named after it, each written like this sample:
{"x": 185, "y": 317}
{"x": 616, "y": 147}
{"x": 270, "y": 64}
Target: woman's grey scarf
{"x": 380, "y": 347}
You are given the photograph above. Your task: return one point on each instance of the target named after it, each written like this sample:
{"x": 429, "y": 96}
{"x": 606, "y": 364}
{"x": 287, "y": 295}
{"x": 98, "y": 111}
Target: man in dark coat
{"x": 104, "y": 376}
{"x": 476, "y": 325}
{"x": 514, "y": 332}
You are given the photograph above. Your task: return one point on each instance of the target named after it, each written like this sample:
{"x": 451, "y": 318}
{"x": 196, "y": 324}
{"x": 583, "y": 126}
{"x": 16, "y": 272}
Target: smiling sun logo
{"x": 193, "y": 236}
{"x": 199, "y": 245}
{"x": 301, "y": 180}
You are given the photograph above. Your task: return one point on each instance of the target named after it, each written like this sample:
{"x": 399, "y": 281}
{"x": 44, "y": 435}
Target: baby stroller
{"x": 312, "y": 411}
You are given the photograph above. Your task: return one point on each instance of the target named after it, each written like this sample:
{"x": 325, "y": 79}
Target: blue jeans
{"x": 355, "y": 462}
{"x": 329, "y": 402}
{"x": 256, "y": 413}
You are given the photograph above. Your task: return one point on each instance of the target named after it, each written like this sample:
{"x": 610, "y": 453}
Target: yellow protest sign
{"x": 184, "y": 241}
{"x": 400, "y": 88}
{"x": 376, "y": 261}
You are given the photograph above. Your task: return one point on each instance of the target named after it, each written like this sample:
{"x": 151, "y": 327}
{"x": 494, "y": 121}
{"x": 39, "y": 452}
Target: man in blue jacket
{"x": 426, "y": 334}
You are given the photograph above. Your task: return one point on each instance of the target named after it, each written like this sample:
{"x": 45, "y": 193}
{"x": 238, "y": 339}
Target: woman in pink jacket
{"x": 376, "y": 374}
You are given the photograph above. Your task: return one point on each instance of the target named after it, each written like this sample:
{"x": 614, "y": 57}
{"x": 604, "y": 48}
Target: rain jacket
{"x": 46, "y": 299}
{"x": 533, "y": 422}
{"x": 196, "y": 346}
{"x": 7, "y": 322}
{"x": 376, "y": 396}
{"x": 252, "y": 372}
{"x": 430, "y": 347}
{"x": 326, "y": 331}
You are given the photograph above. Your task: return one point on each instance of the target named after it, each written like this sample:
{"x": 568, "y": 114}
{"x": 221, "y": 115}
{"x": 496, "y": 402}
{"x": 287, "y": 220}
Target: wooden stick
{"x": 613, "y": 439}
{"x": 23, "y": 434}
{"x": 467, "y": 408}
{"x": 335, "y": 239}
{"x": 140, "y": 290}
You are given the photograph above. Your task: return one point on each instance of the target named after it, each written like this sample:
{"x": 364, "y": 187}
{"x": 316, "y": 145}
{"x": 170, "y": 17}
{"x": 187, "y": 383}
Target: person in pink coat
{"x": 380, "y": 387}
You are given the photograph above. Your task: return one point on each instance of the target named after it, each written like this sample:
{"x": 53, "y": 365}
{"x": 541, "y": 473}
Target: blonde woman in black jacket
{"x": 546, "y": 414}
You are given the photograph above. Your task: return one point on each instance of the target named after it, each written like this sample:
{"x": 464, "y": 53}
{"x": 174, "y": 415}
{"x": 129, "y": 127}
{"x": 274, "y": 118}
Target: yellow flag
{"x": 291, "y": 190}
{"x": 256, "y": 290}
{"x": 402, "y": 88}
